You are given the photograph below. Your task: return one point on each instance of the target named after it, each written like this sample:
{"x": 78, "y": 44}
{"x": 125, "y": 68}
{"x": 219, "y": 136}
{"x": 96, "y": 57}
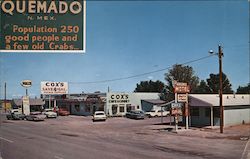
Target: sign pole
{"x": 176, "y": 119}
{"x": 186, "y": 112}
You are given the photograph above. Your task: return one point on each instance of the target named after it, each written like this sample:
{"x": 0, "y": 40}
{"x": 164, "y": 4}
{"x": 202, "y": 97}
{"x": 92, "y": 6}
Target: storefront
{"x": 77, "y": 104}
{"x": 118, "y": 104}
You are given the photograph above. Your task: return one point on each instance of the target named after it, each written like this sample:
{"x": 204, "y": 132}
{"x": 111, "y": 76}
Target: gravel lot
{"x": 78, "y": 137}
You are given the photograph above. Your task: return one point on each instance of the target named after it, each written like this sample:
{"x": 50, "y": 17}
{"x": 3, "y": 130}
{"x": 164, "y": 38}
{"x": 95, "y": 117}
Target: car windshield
{"x": 99, "y": 114}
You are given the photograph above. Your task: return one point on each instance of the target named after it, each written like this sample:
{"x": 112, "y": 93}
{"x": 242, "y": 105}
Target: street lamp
{"x": 220, "y": 54}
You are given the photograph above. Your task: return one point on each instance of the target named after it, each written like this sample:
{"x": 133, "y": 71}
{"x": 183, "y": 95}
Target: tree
{"x": 243, "y": 89}
{"x": 180, "y": 73}
{"x": 149, "y": 86}
{"x": 214, "y": 85}
{"x": 202, "y": 88}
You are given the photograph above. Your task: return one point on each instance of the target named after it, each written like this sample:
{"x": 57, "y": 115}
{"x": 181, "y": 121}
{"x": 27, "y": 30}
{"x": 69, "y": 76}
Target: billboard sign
{"x": 26, "y": 83}
{"x": 43, "y": 26}
{"x": 180, "y": 87}
{"x": 54, "y": 88}
{"x": 182, "y": 97}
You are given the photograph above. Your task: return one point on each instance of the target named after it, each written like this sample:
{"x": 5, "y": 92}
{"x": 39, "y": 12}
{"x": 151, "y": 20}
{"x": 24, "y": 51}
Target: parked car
{"x": 63, "y": 112}
{"x": 50, "y": 113}
{"x": 35, "y": 116}
{"x": 135, "y": 114}
{"x": 157, "y": 113}
{"x": 15, "y": 116}
{"x": 99, "y": 116}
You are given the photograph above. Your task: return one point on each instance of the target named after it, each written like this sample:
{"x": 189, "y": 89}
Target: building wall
{"x": 236, "y": 116}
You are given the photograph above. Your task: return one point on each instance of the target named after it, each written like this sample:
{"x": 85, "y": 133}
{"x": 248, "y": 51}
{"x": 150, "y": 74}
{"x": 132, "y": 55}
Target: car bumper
{"x": 99, "y": 119}
{"x": 51, "y": 116}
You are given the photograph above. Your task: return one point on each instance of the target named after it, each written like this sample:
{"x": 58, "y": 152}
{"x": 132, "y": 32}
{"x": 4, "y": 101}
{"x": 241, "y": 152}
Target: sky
{"x": 129, "y": 38}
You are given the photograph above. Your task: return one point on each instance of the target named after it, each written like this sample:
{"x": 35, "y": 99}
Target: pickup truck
{"x": 157, "y": 113}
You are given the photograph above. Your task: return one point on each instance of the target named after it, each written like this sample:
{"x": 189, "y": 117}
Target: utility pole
{"x": 5, "y": 100}
{"x": 220, "y": 54}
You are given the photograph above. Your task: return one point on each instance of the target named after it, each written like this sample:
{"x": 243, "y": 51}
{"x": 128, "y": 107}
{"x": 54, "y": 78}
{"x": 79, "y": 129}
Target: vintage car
{"x": 50, "y": 113}
{"x": 135, "y": 114}
{"x": 63, "y": 112}
{"x": 99, "y": 116}
{"x": 35, "y": 116}
{"x": 157, "y": 113}
{"x": 15, "y": 116}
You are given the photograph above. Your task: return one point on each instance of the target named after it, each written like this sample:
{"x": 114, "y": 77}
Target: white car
{"x": 157, "y": 113}
{"x": 99, "y": 116}
{"x": 50, "y": 113}
{"x": 35, "y": 116}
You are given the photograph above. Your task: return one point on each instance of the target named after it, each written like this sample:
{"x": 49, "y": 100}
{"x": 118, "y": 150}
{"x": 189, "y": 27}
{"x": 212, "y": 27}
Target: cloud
{"x": 150, "y": 77}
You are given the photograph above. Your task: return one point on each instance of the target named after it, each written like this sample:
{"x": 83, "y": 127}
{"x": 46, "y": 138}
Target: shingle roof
{"x": 213, "y": 99}
{"x": 18, "y": 102}
{"x": 155, "y": 101}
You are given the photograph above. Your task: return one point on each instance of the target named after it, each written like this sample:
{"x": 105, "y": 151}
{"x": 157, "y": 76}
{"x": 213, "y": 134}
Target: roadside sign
{"x": 176, "y": 105}
{"x": 181, "y": 87}
{"x": 182, "y": 97}
{"x": 26, "y": 83}
{"x": 176, "y": 111}
{"x": 176, "y": 108}
{"x": 47, "y": 26}
{"x": 54, "y": 87}
{"x": 26, "y": 105}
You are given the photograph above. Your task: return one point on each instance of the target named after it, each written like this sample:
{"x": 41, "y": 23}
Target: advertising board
{"x": 43, "y": 26}
{"x": 26, "y": 83}
{"x": 182, "y": 97}
{"x": 176, "y": 109}
{"x": 26, "y": 105}
{"x": 180, "y": 87}
{"x": 54, "y": 87}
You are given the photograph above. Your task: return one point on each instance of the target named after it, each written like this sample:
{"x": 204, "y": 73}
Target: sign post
{"x": 25, "y": 100}
{"x": 182, "y": 90}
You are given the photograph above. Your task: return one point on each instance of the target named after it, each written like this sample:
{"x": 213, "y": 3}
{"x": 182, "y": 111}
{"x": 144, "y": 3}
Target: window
{"x": 129, "y": 108}
{"x": 121, "y": 109}
{"x": 87, "y": 108}
{"x": 217, "y": 112}
{"x": 195, "y": 112}
{"x": 114, "y": 109}
{"x": 207, "y": 112}
{"x": 77, "y": 107}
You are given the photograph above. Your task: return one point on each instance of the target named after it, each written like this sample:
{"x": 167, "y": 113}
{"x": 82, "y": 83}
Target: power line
{"x": 142, "y": 74}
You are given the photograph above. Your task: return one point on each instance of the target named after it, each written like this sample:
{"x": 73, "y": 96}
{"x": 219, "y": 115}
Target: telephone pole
{"x": 220, "y": 54}
{"x": 5, "y": 98}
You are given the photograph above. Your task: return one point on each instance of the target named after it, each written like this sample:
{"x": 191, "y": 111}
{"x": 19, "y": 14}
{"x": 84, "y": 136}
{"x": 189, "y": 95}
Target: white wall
{"x": 236, "y": 116}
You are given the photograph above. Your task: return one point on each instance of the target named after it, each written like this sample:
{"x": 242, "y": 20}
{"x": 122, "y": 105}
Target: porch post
{"x": 212, "y": 117}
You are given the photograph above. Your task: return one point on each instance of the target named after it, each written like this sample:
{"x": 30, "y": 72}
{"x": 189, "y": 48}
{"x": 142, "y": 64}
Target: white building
{"x": 120, "y": 103}
{"x": 205, "y": 110}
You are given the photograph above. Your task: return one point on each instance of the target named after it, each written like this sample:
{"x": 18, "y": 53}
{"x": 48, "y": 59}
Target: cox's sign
{"x": 118, "y": 98}
{"x": 54, "y": 87}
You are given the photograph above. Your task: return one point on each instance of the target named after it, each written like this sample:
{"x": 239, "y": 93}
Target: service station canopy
{"x": 43, "y": 26}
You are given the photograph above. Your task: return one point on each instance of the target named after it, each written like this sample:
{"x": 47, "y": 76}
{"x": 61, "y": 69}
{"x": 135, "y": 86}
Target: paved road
{"x": 76, "y": 137}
